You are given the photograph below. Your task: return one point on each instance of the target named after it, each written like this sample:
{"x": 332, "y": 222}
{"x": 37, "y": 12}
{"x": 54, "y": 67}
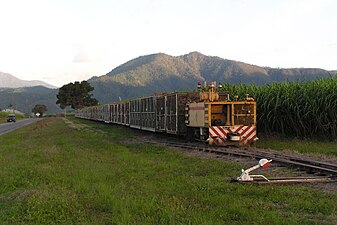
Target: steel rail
{"x": 326, "y": 168}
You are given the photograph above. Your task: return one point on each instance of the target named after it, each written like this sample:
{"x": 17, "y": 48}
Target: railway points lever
{"x": 245, "y": 176}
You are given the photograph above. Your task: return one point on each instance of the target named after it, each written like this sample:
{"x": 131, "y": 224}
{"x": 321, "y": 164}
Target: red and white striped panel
{"x": 247, "y": 133}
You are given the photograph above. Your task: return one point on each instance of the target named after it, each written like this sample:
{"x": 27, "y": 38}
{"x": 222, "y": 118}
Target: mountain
{"x": 154, "y": 73}
{"x": 148, "y": 74}
{"x": 10, "y": 81}
{"x": 25, "y": 98}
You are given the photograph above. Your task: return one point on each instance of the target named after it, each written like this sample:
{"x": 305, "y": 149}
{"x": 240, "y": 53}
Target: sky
{"x": 62, "y": 41}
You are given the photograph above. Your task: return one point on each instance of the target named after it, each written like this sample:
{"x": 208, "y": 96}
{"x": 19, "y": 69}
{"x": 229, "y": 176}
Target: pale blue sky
{"x": 61, "y": 41}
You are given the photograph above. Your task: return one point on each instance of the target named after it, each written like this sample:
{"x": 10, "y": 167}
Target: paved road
{"x": 8, "y": 127}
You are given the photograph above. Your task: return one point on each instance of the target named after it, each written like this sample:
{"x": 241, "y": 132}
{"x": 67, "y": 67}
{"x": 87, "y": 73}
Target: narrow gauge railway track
{"x": 326, "y": 171}
{"x": 305, "y": 163}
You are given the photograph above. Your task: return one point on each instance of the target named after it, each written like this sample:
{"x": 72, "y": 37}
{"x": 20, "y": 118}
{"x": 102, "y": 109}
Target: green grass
{"x": 51, "y": 173}
{"x": 298, "y": 145}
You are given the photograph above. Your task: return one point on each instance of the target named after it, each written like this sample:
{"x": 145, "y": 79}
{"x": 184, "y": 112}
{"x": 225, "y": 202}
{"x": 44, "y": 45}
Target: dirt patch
{"x": 52, "y": 150}
{"x": 328, "y": 187}
{"x": 17, "y": 195}
{"x": 81, "y": 126}
{"x": 42, "y": 123}
{"x": 72, "y": 125}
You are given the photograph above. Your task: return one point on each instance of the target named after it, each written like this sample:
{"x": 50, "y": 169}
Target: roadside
{"x": 53, "y": 172}
{"x": 4, "y": 115}
{"x": 9, "y": 127}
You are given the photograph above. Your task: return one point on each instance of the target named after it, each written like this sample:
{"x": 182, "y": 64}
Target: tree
{"x": 39, "y": 108}
{"x": 76, "y": 95}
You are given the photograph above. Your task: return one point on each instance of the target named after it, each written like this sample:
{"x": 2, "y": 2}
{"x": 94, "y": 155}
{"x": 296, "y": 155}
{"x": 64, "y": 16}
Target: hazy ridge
{"x": 9, "y": 81}
{"x": 160, "y": 72}
{"x": 25, "y": 98}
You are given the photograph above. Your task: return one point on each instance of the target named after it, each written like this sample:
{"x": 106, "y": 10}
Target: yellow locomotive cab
{"x": 222, "y": 122}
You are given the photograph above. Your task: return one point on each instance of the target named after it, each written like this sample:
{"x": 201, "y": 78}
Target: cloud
{"x": 82, "y": 56}
{"x": 332, "y": 44}
{"x": 85, "y": 54}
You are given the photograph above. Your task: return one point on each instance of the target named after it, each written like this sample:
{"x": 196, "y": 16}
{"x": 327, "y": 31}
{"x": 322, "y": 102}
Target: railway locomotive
{"x": 206, "y": 115}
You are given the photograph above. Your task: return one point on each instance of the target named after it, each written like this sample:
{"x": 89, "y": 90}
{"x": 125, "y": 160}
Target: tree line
{"x": 76, "y": 95}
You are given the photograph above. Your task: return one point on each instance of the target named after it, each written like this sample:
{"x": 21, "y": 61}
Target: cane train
{"x": 207, "y": 115}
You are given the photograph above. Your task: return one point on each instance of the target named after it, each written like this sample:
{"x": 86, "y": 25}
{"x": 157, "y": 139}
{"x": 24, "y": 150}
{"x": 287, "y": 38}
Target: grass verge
{"x": 298, "y": 145}
{"x": 54, "y": 172}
